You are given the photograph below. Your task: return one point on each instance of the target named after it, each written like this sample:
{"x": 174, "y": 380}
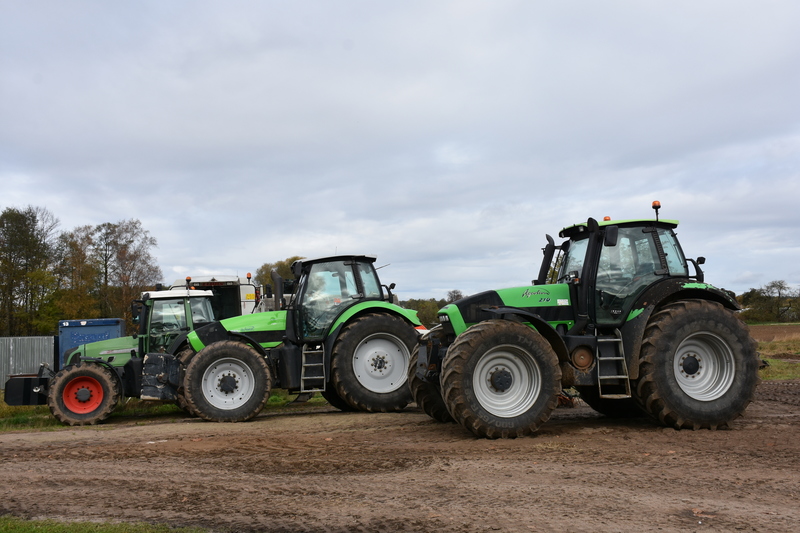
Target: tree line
{"x": 47, "y": 275}
{"x": 774, "y": 302}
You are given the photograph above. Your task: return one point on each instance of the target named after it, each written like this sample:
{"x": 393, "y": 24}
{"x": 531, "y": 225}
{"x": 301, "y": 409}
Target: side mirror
{"x": 612, "y": 235}
{"x": 136, "y": 310}
{"x": 701, "y": 260}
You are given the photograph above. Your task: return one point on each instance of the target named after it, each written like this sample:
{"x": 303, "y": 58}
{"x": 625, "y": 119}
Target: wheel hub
{"x": 228, "y": 384}
{"x": 690, "y": 364}
{"x": 83, "y": 395}
{"x": 379, "y": 363}
{"x": 501, "y": 379}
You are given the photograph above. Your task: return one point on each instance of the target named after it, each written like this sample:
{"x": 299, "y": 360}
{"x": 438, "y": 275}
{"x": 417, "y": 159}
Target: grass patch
{"x": 787, "y": 345}
{"x": 780, "y": 369}
{"x": 18, "y": 525}
{"x": 25, "y": 417}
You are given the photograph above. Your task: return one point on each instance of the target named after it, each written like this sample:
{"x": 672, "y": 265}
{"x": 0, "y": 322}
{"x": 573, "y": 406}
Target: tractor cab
{"x": 164, "y": 316}
{"x": 611, "y": 263}
{"x": 326, "y": 287}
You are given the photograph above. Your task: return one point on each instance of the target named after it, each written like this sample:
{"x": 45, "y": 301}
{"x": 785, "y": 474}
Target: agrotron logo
{"x": 539, "y": 292}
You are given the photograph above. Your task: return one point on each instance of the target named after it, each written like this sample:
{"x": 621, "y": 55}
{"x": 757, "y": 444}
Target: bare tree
{"x": 454, "y": 295}
{"x": 126, "y": 266}
{"x": 284, "y": 268}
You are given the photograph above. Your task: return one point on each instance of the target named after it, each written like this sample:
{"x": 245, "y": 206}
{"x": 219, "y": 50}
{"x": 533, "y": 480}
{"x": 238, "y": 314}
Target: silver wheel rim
{"x": 228, "y": 383}
{"x": 380, "y": 363}
{"x": 704, "y": 366}
{"x": 525, "y": 381}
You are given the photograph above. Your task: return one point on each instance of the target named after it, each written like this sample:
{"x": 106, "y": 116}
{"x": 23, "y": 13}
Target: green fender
{"x": 409, "y": 315}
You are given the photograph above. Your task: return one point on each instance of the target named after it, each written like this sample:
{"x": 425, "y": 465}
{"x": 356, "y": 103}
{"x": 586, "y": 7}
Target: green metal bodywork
{"x": 531, "y": 298}
{"x": 118, "y": 352}
{"x": 254, "y": 326}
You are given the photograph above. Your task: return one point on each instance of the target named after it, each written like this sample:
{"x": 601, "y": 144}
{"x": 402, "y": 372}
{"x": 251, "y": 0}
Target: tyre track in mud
{"x": 329, "y": 471}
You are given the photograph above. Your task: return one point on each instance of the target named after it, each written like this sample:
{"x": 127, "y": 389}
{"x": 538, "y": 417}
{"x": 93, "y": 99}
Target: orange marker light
{"x": 606, "y": 219}
{"x": 656, "y": 204}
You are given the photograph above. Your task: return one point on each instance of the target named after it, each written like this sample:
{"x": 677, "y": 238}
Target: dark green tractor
{"x": 617, "y": 315}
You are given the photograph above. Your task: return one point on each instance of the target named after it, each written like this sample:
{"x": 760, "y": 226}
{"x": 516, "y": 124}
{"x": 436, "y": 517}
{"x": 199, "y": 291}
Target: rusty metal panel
{"x": 23, "y": 355}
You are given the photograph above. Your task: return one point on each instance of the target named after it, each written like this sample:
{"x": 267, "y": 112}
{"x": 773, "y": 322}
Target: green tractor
{"x": 618, "y": 316}
{"x": 96, "y": 375}
{"x": 340, "y": 334}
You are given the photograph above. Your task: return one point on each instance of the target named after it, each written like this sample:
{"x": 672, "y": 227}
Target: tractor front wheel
{"x": 699, "y": 366}
{"x": 83, "y": 394}
{"x": 370, "y": 362}
{"x": 227, "y": 381}
{"x": 501, "y": 379}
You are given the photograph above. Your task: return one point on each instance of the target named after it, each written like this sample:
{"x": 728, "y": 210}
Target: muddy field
{"x": 319, "y": 470}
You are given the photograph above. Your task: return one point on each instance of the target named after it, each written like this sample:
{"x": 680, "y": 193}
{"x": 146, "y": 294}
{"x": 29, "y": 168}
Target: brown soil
{"x": 771, "y": 333}
{"x": 319, "y": 470}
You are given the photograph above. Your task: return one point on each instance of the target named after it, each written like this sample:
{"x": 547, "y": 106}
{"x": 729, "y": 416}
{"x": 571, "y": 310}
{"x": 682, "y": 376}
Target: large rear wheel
{"x": 501, "y": 379}
{"x": 370, "y": 362}
{"x": 620, "y": 408}
{"x": 334, "y": 400}
{"x": 699, "y": 366}
{"x": 427, "y": 395}
{"x": 227, "y": 382}
{"x": 184, "y": 357}
{"x": 83, "y": 394}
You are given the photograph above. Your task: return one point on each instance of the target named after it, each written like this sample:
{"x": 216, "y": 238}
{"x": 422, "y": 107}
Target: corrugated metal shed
{"x": 23, "y": 355}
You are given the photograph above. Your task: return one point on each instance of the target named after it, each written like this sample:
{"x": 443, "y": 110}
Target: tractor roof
{"x": 174, "y": 293}
{"x": 300, "y": 263}
{"x": 577, "y": 229}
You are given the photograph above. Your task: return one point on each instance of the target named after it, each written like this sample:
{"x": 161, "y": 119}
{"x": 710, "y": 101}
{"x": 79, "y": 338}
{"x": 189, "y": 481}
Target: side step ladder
{"x": 612, "y": 370}
{"x": 312, "y": 370}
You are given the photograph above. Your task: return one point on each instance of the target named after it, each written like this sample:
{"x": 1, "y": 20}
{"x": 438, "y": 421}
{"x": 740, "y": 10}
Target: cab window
{"x": 168, "y": 320}
{"x": 369, "y": 279}
{"x": 624, "y": 272}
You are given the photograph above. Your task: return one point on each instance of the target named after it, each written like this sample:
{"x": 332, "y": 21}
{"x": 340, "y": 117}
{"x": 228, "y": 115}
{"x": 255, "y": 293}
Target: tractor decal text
{"x": 528, "y": 293}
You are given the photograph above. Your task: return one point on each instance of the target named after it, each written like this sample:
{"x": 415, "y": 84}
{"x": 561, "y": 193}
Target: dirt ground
{"x": 319, "y": 470}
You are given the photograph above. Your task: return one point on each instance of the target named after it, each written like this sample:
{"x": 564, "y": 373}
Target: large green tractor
{"x": 617, "y": 315}
{"x": 339, "y": 334}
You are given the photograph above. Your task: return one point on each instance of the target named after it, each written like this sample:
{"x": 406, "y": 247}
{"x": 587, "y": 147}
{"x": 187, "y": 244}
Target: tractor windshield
{"x": 329, "y": 288}
{"x": 572, "y": 262}
{"x": 633, "y": 264}
{"x": 167, "y": 321}
{"x": 202, "y": 312}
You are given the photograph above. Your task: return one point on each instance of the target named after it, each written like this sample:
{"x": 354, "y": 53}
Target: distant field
{"x": 776, "y": 332}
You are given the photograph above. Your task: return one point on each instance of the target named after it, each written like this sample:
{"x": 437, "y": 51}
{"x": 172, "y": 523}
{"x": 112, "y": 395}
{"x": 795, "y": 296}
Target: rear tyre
{"x": 699, "y": 366}
{"x": 370, "y": 362}
{"x": 333, "y": 399}
{"x": 227, "y": 382}
{"x": 427, "y": 395}
{"x": 623, "y": 408}
{"x": 185, "y": 357}
{"x": 501, "y": 379}
{"x": 83, "y": 394}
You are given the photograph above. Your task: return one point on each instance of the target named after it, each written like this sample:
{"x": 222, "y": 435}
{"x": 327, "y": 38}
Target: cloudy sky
{"x": 445, "y": 137}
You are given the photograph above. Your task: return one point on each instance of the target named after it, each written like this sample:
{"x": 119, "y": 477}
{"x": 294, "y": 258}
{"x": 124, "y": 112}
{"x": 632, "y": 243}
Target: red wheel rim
{"x": 83, "y": 395}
